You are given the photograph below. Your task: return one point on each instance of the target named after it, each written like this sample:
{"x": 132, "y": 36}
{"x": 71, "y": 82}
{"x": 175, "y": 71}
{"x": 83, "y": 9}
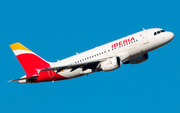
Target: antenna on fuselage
{"x": 77, "y": 53}
{"x": 144, "y": 29}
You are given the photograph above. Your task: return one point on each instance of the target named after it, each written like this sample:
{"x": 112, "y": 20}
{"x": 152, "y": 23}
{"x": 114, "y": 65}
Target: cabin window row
{"x": 90, "y": 57}
{"x": 104, "y": 52}
{"x": 126, "y": 44}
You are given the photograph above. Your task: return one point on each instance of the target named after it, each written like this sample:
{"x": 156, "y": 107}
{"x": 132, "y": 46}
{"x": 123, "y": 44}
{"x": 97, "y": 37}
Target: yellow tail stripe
{"x": 18, "y": 46}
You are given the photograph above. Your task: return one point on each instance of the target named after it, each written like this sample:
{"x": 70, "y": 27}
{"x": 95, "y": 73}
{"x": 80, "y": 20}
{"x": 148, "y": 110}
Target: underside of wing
{"x": 75, "y": 66}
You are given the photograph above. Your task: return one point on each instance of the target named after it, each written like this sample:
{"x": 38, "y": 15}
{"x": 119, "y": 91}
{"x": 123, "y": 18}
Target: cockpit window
{"x": 155, "y": 33}
{"x": 162, "y": 30}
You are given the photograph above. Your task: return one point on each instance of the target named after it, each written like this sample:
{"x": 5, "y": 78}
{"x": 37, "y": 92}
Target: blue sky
{"x": 57, "y": 29}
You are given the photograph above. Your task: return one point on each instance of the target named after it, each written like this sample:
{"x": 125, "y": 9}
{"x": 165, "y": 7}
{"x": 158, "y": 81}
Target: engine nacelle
{"x": 111, "y": 64}
{"x": 138, "y": 59}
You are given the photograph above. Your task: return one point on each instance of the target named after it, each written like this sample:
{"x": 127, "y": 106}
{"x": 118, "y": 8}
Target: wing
{"x": 75, "y": 66}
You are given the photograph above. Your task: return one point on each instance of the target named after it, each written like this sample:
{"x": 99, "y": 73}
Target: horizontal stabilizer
{"x": 25, "y": 78}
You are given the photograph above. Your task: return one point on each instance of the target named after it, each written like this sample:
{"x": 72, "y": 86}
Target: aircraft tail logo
{"x": 28, "y": 59}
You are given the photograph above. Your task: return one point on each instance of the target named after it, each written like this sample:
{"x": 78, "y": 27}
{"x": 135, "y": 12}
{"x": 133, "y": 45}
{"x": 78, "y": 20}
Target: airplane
{"x": 132, "y": 49}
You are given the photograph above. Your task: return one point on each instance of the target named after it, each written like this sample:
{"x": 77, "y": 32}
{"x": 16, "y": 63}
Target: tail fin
{"x": 29, "y": 60}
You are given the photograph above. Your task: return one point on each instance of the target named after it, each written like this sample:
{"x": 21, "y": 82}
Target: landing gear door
{"x": 145, "y": 37}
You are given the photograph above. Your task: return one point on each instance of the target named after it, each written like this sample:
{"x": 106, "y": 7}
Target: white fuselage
{"x": 126, "y": 48}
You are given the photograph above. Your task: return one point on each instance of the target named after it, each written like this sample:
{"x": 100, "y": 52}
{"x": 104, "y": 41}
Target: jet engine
{"x": 138, "y": 59}
{"x": 111, "y": 64}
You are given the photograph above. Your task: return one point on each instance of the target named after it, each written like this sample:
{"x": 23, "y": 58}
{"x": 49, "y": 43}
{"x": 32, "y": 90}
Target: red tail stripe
{"x": 31, "y": 62}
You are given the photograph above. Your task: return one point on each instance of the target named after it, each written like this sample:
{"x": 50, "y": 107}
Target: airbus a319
{"x": 131, "y": 49}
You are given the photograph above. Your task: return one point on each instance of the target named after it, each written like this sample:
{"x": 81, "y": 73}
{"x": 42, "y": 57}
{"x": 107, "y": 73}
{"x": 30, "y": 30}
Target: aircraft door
{"x": 145, "y": 37}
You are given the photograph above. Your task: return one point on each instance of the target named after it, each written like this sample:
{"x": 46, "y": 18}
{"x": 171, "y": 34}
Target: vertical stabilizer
{"x": 28, "y": 59}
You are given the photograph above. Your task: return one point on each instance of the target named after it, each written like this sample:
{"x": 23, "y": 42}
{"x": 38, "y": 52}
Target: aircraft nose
{"x": 171, "y": 36}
